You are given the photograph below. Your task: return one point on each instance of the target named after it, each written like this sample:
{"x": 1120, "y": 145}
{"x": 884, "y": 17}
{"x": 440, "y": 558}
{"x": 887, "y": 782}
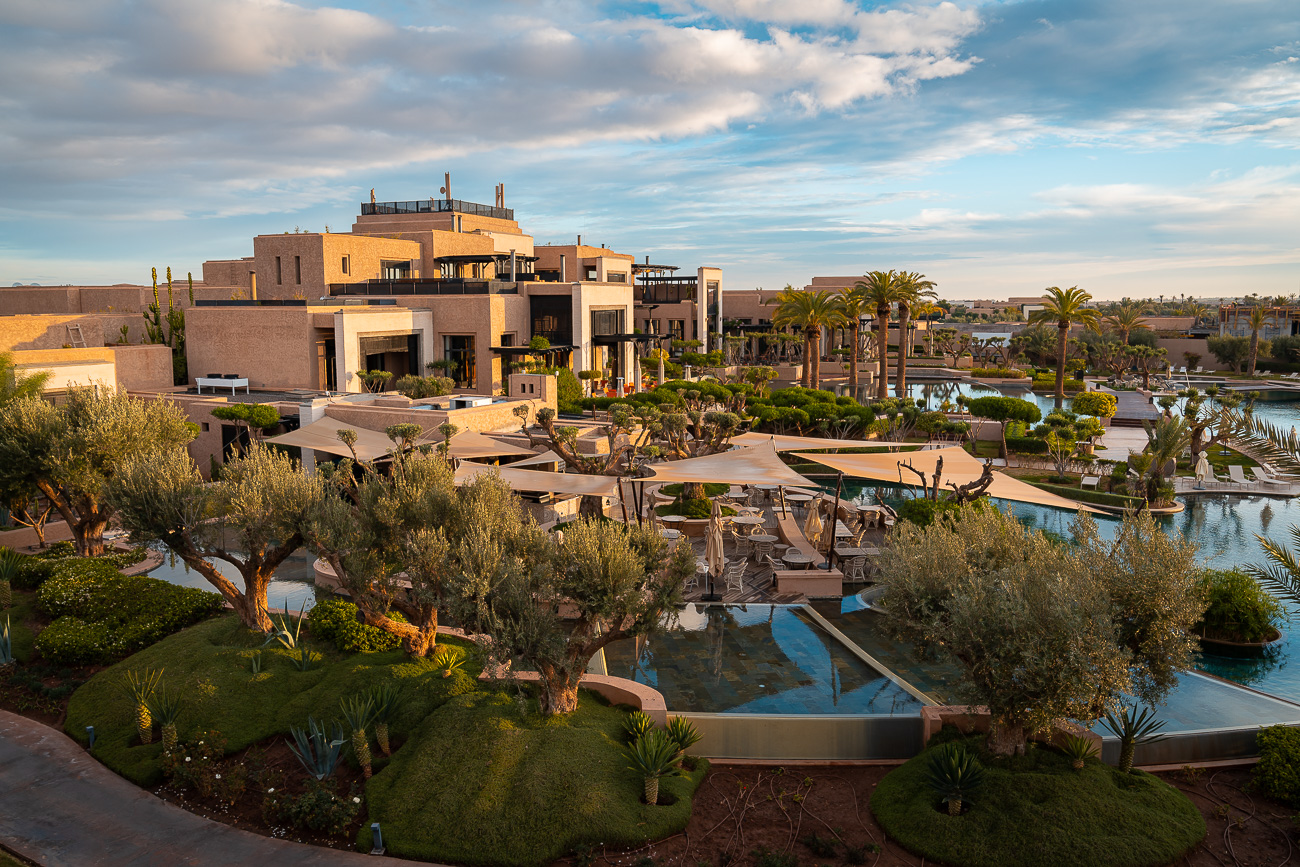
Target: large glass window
{"x": 459, "y": 350}
{"x": 677, "y": 328}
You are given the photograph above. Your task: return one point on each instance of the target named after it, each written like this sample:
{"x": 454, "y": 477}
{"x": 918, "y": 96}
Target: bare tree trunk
{"x": 1254, "y": 350}
{"x": 251, "y": 606}
{"x": 89, "y": 536}
{"x": 805, "y": 376}
{"x": 854, "y": 328}
{"x": 557, "y": 690}
{"x": 1006, "y": 739}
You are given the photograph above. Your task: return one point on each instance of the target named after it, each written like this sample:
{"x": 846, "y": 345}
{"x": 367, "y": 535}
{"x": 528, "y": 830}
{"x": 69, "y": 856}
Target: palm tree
{"x": 810, "y": 312}
{"x": 1166, "y": 439}
{"x": 14, "y": 385}
{"x": 1259, "y": 317}
{"x": 882, "y": 289}
{"x": 854, "y": 305}
{"x": 925, "y": 310}
{"x": 913, "y": 289}
{"x": 1125, "y": 318}
{"x": 1065, "y": 308}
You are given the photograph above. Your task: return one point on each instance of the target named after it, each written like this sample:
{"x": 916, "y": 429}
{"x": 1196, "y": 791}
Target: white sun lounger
{"x": 1263, "y": 477}
{"x": 1238, "y": 475}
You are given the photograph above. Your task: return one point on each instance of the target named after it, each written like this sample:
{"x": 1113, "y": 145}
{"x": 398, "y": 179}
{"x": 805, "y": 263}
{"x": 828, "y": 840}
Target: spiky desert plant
{"x": 1133, "y": 728}
{"x": 637, "y": 725}
{"x": 165, "y": 709}
{"x": 357, "y": 713}
{"x": 954, "y": 775}
{"x": 683, "y": 733}
{"x": 448, "y": 659}
{"x": 10, "y": 562}
{"x": 1078, "y": 749}
{"x": 385, "y": 699}
{"x": 654, "y": 756}
{"x": 140, "y": 686}
{"x": 319, "y": 751}
{"x": 288, "y": 638}
{"x": 6, "y": 646}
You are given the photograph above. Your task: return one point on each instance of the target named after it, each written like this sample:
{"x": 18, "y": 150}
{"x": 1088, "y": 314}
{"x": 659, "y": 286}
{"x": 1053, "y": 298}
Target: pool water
{"x": 292, "y": 586}
{"x": 756, "y": 659}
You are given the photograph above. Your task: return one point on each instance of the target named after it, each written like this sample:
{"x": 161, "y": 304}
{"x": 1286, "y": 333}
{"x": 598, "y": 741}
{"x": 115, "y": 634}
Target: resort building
{"x": 1234, "y": 321}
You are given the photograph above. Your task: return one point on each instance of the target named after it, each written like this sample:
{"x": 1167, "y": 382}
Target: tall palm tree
{"x": 1124, "y": 318}
{"x": 1258, "y": 318}
{"x": 809, "y": 312}
{"x": 14, "y": 385}
{"x": 1065, "y": 307}
{"x": 882, "y": 290}
{"x": 855, "y": 305}
{"x": 925, "y": 310}
{"x": 913, "y": 289}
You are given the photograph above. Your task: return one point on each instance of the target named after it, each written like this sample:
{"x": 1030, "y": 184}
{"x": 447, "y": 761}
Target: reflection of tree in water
{"x": 1246, "y": 670}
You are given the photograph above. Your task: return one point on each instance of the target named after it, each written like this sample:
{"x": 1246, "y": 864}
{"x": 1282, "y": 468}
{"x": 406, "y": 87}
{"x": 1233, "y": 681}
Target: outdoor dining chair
{"x": 734, "y": 576}
{"x": 855, "y": 569}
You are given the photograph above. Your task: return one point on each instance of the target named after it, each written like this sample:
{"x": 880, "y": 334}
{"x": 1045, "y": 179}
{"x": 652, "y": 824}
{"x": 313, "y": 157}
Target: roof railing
{"x": 436, "y": 206}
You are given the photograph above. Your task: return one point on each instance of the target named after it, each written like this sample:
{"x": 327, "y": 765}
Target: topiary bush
{"x": 335, "y": 620}
{"x": 36, "y": 569}
{"x": 1278, "y": 772}
{"x": 101, "y": 615}
{"x": 692, "y": 509}
{"x": 1238, "y": 608}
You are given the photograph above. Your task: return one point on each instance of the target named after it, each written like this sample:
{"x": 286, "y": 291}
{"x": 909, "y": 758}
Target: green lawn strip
{"x": 1036, "y": 810}
{"x": 481, "y": 783}
{"x": 1097, "y": 498}
{"x": 209, "y": 665}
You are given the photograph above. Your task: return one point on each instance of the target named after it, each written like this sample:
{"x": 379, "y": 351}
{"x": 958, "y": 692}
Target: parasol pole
{"x": 835, "y": 517}
{"x": 623, "y": 502}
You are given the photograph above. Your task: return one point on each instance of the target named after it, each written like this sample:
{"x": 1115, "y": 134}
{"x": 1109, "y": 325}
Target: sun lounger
{"x": 1238, "y": 475}
{"x": 1090, "y": 482}
{"x": 1263, "y": 477}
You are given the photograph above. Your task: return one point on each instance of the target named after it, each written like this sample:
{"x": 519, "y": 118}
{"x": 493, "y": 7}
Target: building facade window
{"x": 507, "y": 339}
{"x": 615, "y": 277}
{"x": 677, "y": 328}
{"x": 347, "y": 266}
{"x": 459, "y": 350}
{"x": 297, "y": 270}
{"x": 278, "y": 275}
{"x": 652, "y": 326}
{"x": 591, "y": 273}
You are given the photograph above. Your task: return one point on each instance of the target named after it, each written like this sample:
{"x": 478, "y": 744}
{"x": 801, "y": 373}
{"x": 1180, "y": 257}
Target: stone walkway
{"x": 61, "y": 808}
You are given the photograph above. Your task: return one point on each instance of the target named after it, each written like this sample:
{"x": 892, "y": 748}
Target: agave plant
{"x": 6, "y": 646}
{"x": 1078, "y": 749}
{"x": 10, "y": 562}
{"x": 288, "y": 638}
{"x": 683, "y": 733}
{"x": 385, "y": 699}
{"x": 165, "y": 708}
{"x": 637, "y": 725}
{"x": 654, "y": 756}
{"x": 318, "y": 750}
{"x": 255, "y": 661}
{"x": 304, "y": 659}
{"x": 140, "y": 686}
{"x": 954, "y": 775}
{"x": 1133, "y": 728}
{"x": 357, "y": 713}
{"x": 448, "y": 659}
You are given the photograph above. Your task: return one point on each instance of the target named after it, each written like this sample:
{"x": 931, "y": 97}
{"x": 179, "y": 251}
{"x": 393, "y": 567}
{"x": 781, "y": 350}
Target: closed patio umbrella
{"x": 812, "y": 525}
{"x": 1202, "y": 470}
{"x": 713, "y": 553}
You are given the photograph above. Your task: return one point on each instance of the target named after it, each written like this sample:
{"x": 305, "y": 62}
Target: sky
{"x": 1130, "y": 148}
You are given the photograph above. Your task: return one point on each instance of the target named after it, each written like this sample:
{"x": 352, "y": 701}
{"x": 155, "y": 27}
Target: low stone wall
{"x": 970, "y": 720}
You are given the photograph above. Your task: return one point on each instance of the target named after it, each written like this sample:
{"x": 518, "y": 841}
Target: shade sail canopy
{"x": 749, "y": 465}
{"x": 546, "y": 457}
{"x": 958, "y": 467}
{"x": 471, "y": 444}
{"x": 784, "y": 443}
{"x": 323, "y": 436}
{"x": 536, "y": 480}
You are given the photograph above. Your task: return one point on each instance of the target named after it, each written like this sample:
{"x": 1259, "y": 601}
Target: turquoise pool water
{"x": 291, "y": 587}
{"x": 756, "y": 659}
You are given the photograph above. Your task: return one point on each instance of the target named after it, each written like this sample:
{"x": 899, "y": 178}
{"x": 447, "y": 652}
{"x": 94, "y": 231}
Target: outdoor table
{"x": 671, "y": 519}
{"x": 845, "y": 553}
{"x": 669, "y": 533}
{"x": 753, "y": 520}
{"x": 798, "y": 498}
{"x": 763, "y": 537}
{"x": 841, "y": 530}
{"x": 796, "y": 560}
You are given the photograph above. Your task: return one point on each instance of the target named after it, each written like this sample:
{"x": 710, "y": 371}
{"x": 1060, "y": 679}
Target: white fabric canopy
{"x": 787, "y": 443}
{"x": 573, "y": 484}
{"x": 322, "y": 436}
{"x": 546, "y": 457}
{"x": 750, "y": 465}
{"x": 958, "y": 467}
{"x": 472, "y": 444}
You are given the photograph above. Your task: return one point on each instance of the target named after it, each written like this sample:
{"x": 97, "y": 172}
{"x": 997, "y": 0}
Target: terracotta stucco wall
{"x": 38, "y": 299}
{"x": 141, "y": 368}
{"x": 275, "y": 347}
{"x": 228, "y": 272}
{"x": 47, "y": 332}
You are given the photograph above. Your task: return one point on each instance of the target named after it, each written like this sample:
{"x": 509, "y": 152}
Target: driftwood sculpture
{"x": 930, "y": 488}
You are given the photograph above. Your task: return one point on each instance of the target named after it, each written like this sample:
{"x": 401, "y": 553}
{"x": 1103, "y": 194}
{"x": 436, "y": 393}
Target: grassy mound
{"x": 531, "y": 789}
{"x": 711, "y": 489}
{"x": 1035, "y": 810}
{"x": 209, "y": 664}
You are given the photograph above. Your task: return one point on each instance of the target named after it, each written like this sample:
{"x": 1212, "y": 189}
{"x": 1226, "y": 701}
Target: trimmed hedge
{"x": 38, "y": 568}
{"x": 335, "y": 620}
{"x": 1096, "y": 498}
{"x": 101, "y": 615}
{"x": 1278, "y": 772}
{"x": 998, "y": 372}
{"x": 1027, "y": 445}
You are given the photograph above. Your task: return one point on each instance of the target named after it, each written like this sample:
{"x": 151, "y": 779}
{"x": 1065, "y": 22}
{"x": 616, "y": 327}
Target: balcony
{"x": 424, "y": 286}
{"x": 435, "y": 206}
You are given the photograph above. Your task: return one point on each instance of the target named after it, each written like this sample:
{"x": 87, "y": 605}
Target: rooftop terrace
{"x": 435, "y": 206}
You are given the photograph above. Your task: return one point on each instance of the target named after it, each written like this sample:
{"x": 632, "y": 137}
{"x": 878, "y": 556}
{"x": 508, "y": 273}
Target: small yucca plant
{"x": 448, "y": 659}
{"x": 1078, "y": 749}
{"x": 357, "y": 713}
{"x": 683, "y": 733}
{"x": 954, "y": 775}
{"x": 637, "y": 725}
{"x": 6, "y": 646}
{"x": 165, "y": 708}
{"x": 318, "y": 750}
{"x": 140, "y": 686}
{"x": 385, "y": 699}
{"x": 654, "y": 755}
{"x": 1133, "y": 728}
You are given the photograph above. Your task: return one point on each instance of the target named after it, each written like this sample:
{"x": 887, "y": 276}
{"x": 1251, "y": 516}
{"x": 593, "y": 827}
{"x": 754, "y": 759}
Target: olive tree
{"x": 1043, "y": 630}
{"x": 554, "y": 601}
{"x": 1004, "y": 410}
{"x": 71, "y": 454}
{"x": 251, "y": 518}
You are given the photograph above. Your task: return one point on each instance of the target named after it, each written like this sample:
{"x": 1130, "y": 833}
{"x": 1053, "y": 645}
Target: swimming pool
{"x": 292, "y": 586}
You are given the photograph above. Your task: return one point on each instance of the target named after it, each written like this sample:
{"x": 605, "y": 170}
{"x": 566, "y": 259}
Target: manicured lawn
{"x": 477, "y": 776}
{"x": 1036, "y": 810}
{"x": 482, "y": 783}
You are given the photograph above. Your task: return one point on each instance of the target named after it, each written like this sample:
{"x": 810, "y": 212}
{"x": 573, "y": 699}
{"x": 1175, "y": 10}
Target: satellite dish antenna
{"x": 445, "y": 189}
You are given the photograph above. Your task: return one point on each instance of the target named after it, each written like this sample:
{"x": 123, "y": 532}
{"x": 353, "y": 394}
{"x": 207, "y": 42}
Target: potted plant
{"x": 1241, "y": 616}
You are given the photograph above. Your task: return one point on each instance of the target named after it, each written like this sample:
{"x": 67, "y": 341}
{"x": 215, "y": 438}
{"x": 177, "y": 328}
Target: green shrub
{"x": 33, "y": 572}
{"x": 691, "y": 509}
{"x": 39, "y": 568}
{"x": 1097, "y": 498}
{"x": 1047, "y": 382}
{"x": 711, "y": 489}
{"x": 1278, "y": 772}
{"x": 568, "y": 391}
{"x": 923, "y": 512}
{"x": 1238, "y": 608}
{"x": 335, "y": 620}
{"x": 998, "y": 373}
{"x": 319, "y": 809}
{"x": 100, "y": 614}
{"x": 1027, "y": 445}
